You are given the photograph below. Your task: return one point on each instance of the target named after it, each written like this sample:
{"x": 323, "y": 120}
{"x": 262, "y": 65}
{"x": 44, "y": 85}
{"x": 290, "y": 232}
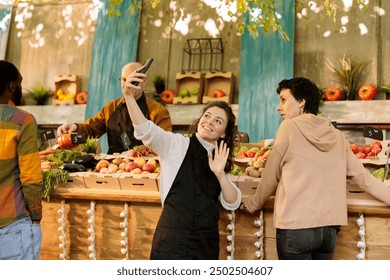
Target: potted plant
{"x": 40, "y": 94}
{"x": 349, "y": 76}
{"x": 159, "y": 85}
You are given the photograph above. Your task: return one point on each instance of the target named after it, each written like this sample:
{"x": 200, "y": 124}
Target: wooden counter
{"x": 144, "y": 209}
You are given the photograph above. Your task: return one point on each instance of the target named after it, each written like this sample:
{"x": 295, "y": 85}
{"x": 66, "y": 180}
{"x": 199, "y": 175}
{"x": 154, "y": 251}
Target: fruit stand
{"x": 82, "y": 224}
{"x": 113, "y": 216}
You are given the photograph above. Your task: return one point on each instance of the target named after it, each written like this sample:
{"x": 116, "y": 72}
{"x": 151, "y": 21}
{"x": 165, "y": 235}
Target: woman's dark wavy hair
{"x": 302, "y": 88}
{"x": 230, "y": 129}
{"x": 8, "y": 73}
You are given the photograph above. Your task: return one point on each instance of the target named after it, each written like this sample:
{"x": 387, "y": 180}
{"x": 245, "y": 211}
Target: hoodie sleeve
{"x": 273, "y": 170}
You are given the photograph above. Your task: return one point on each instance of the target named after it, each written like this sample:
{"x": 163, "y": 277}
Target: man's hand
{"x": 67, "y": 128}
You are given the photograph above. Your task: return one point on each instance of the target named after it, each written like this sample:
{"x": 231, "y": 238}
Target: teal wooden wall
{"x": 116, "y": 42}
{"x": 265, "y": 61}
{"x": 5, "y": 17}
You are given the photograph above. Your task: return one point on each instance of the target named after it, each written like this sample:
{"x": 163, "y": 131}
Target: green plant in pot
{"x": 40, "y": 94}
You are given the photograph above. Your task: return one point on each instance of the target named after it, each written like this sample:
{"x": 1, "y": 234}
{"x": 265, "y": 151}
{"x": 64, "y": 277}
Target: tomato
{"x": 361, "y": 155}
{"x": 376, "y": 143}
{"x": 167, "y": 96}
{"x": 354, "y": 148}
{"x": 367, "y": 92}
{"x": 376, "y": 150}
{"x": 217, "y": 93}
{"x": 81, "y": 97}
{"x": 333, "y": 94}
{"x": 367, "y": 150}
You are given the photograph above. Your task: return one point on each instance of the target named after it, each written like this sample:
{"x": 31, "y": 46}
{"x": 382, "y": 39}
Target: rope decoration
{"x": 91, "y": 230}
{"x": 231, "y": 226}
{"x": 259, "y": 244}
{"x": 62, "y": 230}
{"x": 362, "y": 233}
{"x": 125, "y": 226}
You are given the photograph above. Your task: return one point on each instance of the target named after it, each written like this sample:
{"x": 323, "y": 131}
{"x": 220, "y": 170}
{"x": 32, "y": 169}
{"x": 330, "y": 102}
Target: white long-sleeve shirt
{"x": 172, "y": 149}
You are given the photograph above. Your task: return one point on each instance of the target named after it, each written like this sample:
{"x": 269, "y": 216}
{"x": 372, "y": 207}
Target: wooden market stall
{"x": 82, "y": 224}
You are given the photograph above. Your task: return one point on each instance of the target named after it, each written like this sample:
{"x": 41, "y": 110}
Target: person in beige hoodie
{"x": 308, "y": 169}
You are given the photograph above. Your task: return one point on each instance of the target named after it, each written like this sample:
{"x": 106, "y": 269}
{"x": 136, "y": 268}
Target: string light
{"x": 125, "y": 226}
{"x": 230, "y": 238}
{"x": 362, "y": 242}
{"x": 259, "y": 244}
{"x": 91, "y": 230}
{"x": 62, "y": 230}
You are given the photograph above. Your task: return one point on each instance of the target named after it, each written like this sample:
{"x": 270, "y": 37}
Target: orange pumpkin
{"x": 81, "y": 97}
{"x": 167, "y": 96}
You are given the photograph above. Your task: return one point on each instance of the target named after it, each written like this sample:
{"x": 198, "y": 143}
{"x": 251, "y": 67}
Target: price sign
{"x": 48, "y": 134}
{"x": 125, "y": 140}
{"x": 373, "y": 133}
{"x": 77, "y": 138}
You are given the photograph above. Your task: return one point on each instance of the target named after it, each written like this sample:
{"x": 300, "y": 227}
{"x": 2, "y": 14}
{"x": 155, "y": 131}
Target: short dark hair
{"x": 229, "y": 132}
{"x": 302, "y": 88}
{"x": 8, "y": 73}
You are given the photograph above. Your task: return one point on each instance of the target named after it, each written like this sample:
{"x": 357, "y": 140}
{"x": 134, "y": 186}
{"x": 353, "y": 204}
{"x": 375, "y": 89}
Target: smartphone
{"x": 146, "y": 65}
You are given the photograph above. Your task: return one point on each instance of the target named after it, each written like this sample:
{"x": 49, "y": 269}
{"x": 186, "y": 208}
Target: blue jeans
{"x": 20, "y": 240}
{"x": 306, "y": 244}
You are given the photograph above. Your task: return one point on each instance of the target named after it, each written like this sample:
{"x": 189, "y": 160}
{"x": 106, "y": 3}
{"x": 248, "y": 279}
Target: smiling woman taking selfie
{"x": 194, "y": 179}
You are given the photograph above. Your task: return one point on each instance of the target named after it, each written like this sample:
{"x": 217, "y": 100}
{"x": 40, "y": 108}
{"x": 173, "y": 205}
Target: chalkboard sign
{"x": 125, "y": 140}
{"x": 373, "y": 133}
{"x": 77, "y": 138}
{"x": 48, "y": 134}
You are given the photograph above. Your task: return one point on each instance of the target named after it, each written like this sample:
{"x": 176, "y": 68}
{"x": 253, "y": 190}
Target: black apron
{"x": 188, "y": 225}
{"x": 120, "y": 122}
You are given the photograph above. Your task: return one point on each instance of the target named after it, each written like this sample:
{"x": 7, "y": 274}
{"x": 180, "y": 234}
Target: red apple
{"x": 140, "y": 161}
{"x": 167, "y": 96}
{"x": 101, "y": 164}
{"x": 217, "y": 93}
{"x": 136, "y": 171}
{"x": 333, "y": 94}
{"x": 131, "y": 166}
{"x": 367, "y": 92}
{"x": 148, "y": 167}
{"x": 122, "y": 166}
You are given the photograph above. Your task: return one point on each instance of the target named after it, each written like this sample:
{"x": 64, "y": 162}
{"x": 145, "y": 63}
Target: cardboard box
{"x": 95, "y": 180}
{"x": 69, "y": 84}
{"x": 218, "y": 80}
{"x": 138, "y": 182}
{"x": 189, "y": 81}
{"x": 247, "y": 184}
{"x": 75, "y": 180}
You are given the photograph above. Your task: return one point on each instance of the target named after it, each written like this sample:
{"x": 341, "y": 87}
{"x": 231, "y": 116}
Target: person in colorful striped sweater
{"x": 20, "y": 173}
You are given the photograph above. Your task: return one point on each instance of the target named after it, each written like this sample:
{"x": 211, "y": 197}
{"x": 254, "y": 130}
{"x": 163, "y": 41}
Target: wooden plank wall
{"x": 143, "y": 218}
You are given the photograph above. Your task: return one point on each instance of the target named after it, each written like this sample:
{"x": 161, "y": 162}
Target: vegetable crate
{"x": 189, "y": 88}
{"x": 218, "y": 86}
{"x": 66, "y": 88}
{"x": 138, "y": 182}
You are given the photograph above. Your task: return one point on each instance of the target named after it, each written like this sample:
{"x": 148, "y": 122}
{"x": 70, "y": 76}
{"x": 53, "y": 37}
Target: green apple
{"x": 195, "y": 91}
{"x": 184, "y": 93}
{"x": 255, "y": 149}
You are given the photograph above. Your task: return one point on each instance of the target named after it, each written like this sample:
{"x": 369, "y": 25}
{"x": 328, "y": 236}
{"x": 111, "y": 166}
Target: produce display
{"x": 333, "y": 94}
{"x": 217, "y": 93}
{"x": 255, "y": 157}
{"x": 367, "y": 92}
{"x": 367, "y": 151}
{"x": 186, "y": 93}
{"x": 167, "y": 96}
